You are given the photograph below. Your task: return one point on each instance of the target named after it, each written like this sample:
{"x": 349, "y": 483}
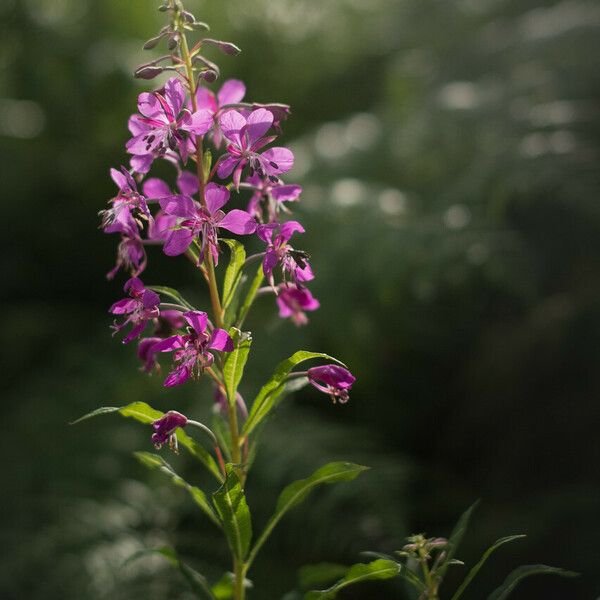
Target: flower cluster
{"x": 227, "y": 181}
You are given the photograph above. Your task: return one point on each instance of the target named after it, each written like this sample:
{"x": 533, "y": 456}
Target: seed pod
{"x": 147, "y": 72}
{"x": 224, "y": 47}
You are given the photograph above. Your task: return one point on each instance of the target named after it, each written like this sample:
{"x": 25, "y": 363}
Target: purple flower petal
{"x": 178, "y": 242}
{"x": 169, "y": 344}
{"x": 179, "y": 206}
{"x": 283, "y": 193}
{"x": 175, "y": 95}
{"x": 232, "y": 91}
{"x": 226, "y": 167}
{"x": 123, "y": 307}
{"x": 150, "y": 299}
{"x": 269, "y": 262}
{"x": 206, "y": 99}
{"x": 232, "y": 123}
{"x": 198, "y": 123}
{"x": 178, "y": 376}
{"x": 216, "y": 197}
{"x": 197, "y": 320}
{"x": 148, "y": 105}
{"x": 277, "y": 160}
{"x": 238, "y": 221}
{"x": 258, "y": 123}
{"x": 221, "y": 340}
{"x": 187, "y": 183}
{"x": 289, "y": 228}
{"x": 155, "y": 188}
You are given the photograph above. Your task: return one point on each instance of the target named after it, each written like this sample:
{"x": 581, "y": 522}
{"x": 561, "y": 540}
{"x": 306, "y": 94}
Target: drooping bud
{"x": 333, "y": 380}
{"x": 147, "y": 72}
{"x": 188, "y": 17}
{"x": 209, "y": 75}
{"x": 173, "y": 42}
{"x": 152, "y": 42}
{"x": 207, "y": 63}
{"x": 224, "y": 47}
{"x": 163, "y": 8}
{"x": 166, "y": 427}
{"x": 200, "y": 26}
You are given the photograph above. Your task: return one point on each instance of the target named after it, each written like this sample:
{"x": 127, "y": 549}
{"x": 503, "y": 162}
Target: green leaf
{"x": 142, "y": 412}
{"x": 233, "y": 367}
{"x": 296, "y": 492}
{"x": 473, "y": 572}
{"x": 233, "y": 511}
{"x": 263, "y": 403}
{"x": 320, "y": 574}
{"x": 251, "y": 295}
{"x": 512, "y": 581}
{"x": 197, "y": 582}
{"x": 154, "y": 461}
{"x": 376, "y": 570}
{"x": 234, "y": 271}
{"x": 455, "y": 540}
{"x": 171, "y": 293}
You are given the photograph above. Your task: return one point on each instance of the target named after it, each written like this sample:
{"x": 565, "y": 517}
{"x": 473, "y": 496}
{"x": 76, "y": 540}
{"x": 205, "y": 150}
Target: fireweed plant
{"x": 218, "y": 144}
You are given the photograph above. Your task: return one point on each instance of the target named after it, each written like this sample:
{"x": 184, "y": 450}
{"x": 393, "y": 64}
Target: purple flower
{"x": 156, "y": 189}
{"x": 146, "y": 354}
{"x": 293, "y": 301}
{"x": 245, "y": 136}
{"x": 293, "y": 262}
{"x": 270, "y": 194}
{"x": 333, "y": 380}
{"x": 165, "y": 429}
{"x": 232, "y": 92}
{"x": 205, "y": 222}
{"x": 165, "y": 124}
{"x": 139, "y": 308}
{"x": 191, "y": 351}
{"x": 131, "y": 254}
{"x": 128, "y": 206}
{"x": 138, "y": 126}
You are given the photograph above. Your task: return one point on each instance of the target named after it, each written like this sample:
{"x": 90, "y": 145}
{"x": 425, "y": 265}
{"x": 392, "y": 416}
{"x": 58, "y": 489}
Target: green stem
{"x": 239, "y": 570}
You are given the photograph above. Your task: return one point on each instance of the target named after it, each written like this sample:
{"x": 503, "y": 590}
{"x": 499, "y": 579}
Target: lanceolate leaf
{"x": 455, "y": 539}
{"x": 171, "y": 293}
{"x": 233, "y": 511}
{"x": 233, "y": 274}
{"x": 320, "y": 574}
{"x": 233, "y": 367}
{"x": 263, "y": 403}
{"x": 513, "y": 580}
{"x": 142, "y": 412}
{"x": 378, "y": 569}
{"x": 473, "y": 572}
{"x": 154, "y": 461}
{"x": 296, "y": 492}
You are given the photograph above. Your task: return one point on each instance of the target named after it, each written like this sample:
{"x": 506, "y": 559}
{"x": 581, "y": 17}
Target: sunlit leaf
{"x": 376, "y": 570}
{"x": 171, "y": 293}
{"x": 233, "y": 274}
{"x": 233, "y": 367}
{"x": 296, "y": 492}
{"x": 234, "y": 514}
{"x": 264, "y": 401}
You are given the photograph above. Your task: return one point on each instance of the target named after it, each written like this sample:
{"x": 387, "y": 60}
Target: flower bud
{"x": 148, "y": 72}
{"x": 163, "y": 8}
{"x": 209, "y": 75}
{"x": 200, "y": 26}
{"x": 173, "y": 41}
{"x": 224, "y": 47}
{"x": 188, "y": 17}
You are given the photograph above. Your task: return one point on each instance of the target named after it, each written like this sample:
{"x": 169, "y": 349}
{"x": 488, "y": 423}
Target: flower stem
{"x": 239, "y": 592}
{"x": 208, "y": 259}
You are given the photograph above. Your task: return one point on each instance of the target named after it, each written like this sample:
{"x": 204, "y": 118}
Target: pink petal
{"x": 187, "y": 183}
{"x": 283, "y": 193}
{"x": 221, "y": 341}
{"x": 169, "y": 344}
{"x": 289, "y": 228}
{"x": 206, "y": 99}
{"x": 179, "y": 206}
{"x": 231, "y": 92}
{"x": 216, "y": 197}
{"x": 227, "y": 166}
{"x": 148, "y": 105}
{"x": 232, "y": 123}
{"x": 198, "y": 123}
{"x": 197, "y": 320}
{"x": 150, "y": 299}
{"x": 123, "y": 307}
{"x": 178, "y": 242}
{"x": 175, "y": 95}
{"x": 282, "y": 157}
{"x": 238, "y": 221}
{"x": 155, "y": 188}
{"x": 259, "y": 122}
{"x": 142, "y": 163}
{"x": 178, "y": 376}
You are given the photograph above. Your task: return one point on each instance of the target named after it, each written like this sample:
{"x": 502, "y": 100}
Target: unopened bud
{"x": 188, "y": 17}
{"x": 148, "y": 72}
{"x": 209, "y": 75}
{"x": 224, "y": 47}
{"x": 173, "y": 41}
{"x": 207, "y": 63}
{"x": 163, "y": 8}
{"x": 153, "y": 42}
{"x": 200, "y": 26}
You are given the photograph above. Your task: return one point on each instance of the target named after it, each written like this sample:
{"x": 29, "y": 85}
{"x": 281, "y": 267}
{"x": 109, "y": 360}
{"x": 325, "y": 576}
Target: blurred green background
{"x": 449, "y": 154}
